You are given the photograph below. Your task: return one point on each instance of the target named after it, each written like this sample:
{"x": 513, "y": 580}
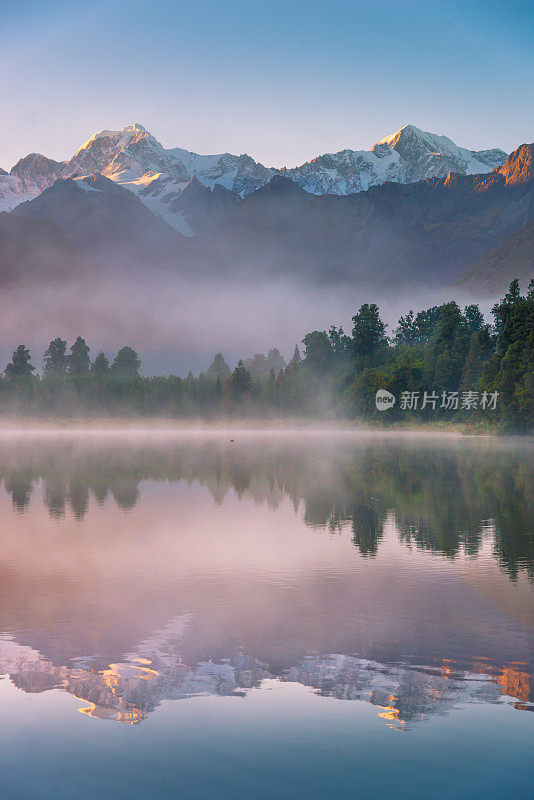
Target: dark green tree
{"x": 474, "y": 318}
{"x": 318, "y": 353}
{"x": 241, "y": 382}
{"x": 100, "y": 366}
{"x": 368, "y": 334}
{"x": 55, "y": 359}
{"x": 126, "y": 363}
{"x": 20, "y": 366}
{"x": 472, "y": 369}
{"x": 340, "y": 344}
{"x": 510, "y": 371}
{"x": 405, "y": 333}
{"x": 514, "y": 292}
{"x": 417, "y": 330}
{"x": 78, "y": 359}
{"x": 447, "y": 349}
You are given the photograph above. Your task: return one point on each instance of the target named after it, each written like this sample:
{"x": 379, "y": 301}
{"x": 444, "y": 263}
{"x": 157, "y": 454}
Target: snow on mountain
{"x": 240, "y": 173}
{"x": 27, "y": 179}
{"x": 427, "y": 155}
{"x": 133, "y": 158}
{"x": 100, "y": 150}
{"x": 404, "y": 157}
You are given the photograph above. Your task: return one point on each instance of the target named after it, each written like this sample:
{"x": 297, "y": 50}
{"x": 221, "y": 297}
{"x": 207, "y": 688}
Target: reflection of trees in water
{"x": 78, "y": 493}
{"x": 513, "y": 550}
{"x": 125, "y": 493}
{"x": 55, "y": 495}
{"x": 464, "y": 495}
{"x": 443, "y": 498}
{"x": 19, "y": 484}
{"x": 367, "y": 527}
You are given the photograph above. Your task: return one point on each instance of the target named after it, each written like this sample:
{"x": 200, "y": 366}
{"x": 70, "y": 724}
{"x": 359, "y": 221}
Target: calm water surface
{"x": 284, "y": 616}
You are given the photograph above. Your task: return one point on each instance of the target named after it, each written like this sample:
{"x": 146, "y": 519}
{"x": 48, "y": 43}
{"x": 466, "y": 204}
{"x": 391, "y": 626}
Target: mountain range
{"x": 426, "y": 234}
{"x": 162, "y": 178}
{"x": 415, "y": 211}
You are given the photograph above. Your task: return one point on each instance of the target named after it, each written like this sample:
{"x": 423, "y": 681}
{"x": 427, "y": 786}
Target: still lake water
{"x": 284, "y": 616}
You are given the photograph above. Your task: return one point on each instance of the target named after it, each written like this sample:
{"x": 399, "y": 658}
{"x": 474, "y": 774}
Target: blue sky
{"x": 283, "y": 81}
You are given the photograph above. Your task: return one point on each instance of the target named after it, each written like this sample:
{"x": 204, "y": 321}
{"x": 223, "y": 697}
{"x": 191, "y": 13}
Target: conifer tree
{"x": 78, "y": 360}
{"x": 126, "y": 363}
{"x": 56, "y": 359}
{"x": 20, "y": 366}
{"x": 100, "y": 366}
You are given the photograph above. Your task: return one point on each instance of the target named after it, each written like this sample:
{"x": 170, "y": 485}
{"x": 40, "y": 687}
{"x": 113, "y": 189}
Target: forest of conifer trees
{"x": 440, "y": 364}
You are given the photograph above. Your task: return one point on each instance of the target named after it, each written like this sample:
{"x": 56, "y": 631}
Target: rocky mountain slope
{"x": 390, "y": 237}
{"x": 101, "y": 219}
{"x": 133, "y": 158}
{"x": 511, "y": 258}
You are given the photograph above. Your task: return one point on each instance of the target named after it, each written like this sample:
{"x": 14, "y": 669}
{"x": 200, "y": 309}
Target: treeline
{"x": 442, "y": 363}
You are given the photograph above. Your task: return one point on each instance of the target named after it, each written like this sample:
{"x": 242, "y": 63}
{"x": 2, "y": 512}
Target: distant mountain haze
{"x": 424, "y": 234}
{"x": 512, "y": 257}
{"x": 182, "y": 256}
{"x": 34, "y": 250}
{"x": 140, "y": 204}
{"x": 100, "y": 217}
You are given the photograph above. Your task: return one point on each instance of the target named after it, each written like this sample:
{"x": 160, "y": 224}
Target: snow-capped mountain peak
{"x": 120, "y": 138}
{"x": 408, "y": 131}
{"x": 429, "y": 155}
{"x": 135, "y": 159}
{"x": 98, "y": 152}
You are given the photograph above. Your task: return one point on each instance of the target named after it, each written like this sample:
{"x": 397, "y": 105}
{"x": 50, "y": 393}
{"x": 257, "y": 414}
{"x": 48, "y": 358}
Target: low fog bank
{"x": 177, "y": 324}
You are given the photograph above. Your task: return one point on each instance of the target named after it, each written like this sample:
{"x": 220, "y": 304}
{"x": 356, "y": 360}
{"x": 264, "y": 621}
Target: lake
{"x": 240, "y": 614}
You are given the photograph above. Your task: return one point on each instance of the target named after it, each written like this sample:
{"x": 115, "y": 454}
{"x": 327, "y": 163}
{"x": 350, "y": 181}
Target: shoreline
{"x": 169, "y": 426}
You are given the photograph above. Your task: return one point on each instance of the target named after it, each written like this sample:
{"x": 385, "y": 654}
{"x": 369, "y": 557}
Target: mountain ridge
{"x": 423, "y": 234}
{"x": 133, "y": 158}
{"x": 103, "y": 219}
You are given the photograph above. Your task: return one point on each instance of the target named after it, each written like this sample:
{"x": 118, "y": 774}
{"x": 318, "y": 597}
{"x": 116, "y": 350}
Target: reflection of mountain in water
{"x": 443, "y": 496}
{"x": 126, "y": 610}
{"x": 128, "y": 691}
{"x": 406, "y": 694}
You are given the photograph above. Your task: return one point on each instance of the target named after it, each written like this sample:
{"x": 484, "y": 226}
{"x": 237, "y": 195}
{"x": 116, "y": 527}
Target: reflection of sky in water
{"x": 302, "y": 603}
{"x": 281, "y": 741}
